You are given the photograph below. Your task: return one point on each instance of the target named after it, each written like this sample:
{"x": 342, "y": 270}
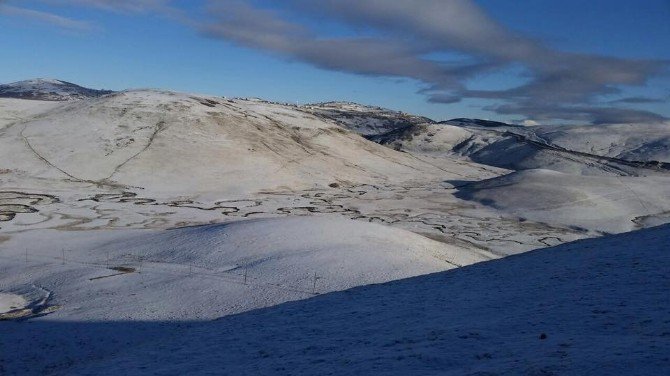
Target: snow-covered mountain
{"x": 48, "y": 90}
{"x": 129, "y": 220}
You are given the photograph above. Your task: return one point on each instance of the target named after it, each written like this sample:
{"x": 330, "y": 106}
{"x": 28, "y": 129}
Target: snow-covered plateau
{"x": 149, "y": 231}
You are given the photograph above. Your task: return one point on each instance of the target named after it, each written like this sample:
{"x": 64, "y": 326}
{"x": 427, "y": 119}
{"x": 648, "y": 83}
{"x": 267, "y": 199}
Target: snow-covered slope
{"x": 18, "y": 110}
{"x": 593, "y": 307}
{"x": 604, "y": 203}
{"x": 365, "y": 120}
{"x": 635, "y": 142}
{"x": 233, "y": 267}
{"x": 590, "y": 150}
{"x": 48, "y": 90}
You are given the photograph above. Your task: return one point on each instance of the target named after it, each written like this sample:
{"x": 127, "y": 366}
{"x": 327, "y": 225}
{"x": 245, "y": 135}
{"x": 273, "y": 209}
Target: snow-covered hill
{"x": 182, "y": 143}
{"x": 365, "y": 120}
{"x": 603, "y": 203}
{"x": 174, "y": 148}
{"x": 596, "y": 307}
{"x": 235, "y": 267}
{"x": 632, "y": 149}
{"x": 633, "y": 142}
{"x": 45, "y": 89}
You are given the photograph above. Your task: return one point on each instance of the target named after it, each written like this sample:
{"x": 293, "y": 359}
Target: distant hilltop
{"x": 48, "y": 90}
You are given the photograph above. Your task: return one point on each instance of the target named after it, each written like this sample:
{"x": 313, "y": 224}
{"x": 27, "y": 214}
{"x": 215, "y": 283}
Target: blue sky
{"x": 536, "y": 61}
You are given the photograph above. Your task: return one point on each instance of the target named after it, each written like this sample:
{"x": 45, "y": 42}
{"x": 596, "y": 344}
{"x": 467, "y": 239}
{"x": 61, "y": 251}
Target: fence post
{"x": 245, "y": 276}
{"x": 314, "y": 285}
{"x": 63, "y": 260}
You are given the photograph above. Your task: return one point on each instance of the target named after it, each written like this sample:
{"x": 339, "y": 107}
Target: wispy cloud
{"x": 127, "y": 6}
{"x": 163, "y": 8}
{"x": 124, "y": 6}
{"x": 44, "y": 17}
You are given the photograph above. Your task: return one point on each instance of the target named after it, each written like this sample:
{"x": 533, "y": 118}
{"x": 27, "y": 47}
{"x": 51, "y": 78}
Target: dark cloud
{"x": 593, "y": 114}
{"x": 559, "y": 83}
{"x": 639, "y": 100}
